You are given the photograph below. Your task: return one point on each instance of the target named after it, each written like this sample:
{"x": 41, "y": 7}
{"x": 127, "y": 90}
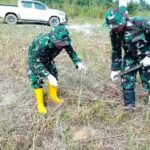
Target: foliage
{"x": 83, "y": 8}
{"x": 133, "y": 7}
{"x": 144, "y": 5}
{"x": 88, "y": 8}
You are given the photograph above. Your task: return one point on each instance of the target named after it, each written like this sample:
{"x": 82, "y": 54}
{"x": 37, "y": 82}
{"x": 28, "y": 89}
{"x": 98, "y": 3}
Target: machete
{"x": 129, "y": 70}
{"x": 119, "y": 75}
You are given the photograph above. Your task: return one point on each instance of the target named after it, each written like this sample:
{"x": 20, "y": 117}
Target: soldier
{"x": 133, "y": 36}
{"x": 41, "y": 54}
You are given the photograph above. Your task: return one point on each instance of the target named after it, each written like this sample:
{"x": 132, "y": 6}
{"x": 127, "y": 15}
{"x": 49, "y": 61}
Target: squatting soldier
{"x": 41, "y": 54}
{"x": 133, "y": 36}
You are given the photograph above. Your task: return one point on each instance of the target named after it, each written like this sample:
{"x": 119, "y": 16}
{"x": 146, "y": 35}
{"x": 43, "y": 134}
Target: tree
{"x": 133, "y": 6}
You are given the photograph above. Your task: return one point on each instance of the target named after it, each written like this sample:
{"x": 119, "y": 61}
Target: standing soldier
{"x": 133, "y": 36}
{"x": 41, "y": 54}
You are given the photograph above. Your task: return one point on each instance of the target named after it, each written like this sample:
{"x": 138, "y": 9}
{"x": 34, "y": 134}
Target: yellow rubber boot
{"x": 52, "y": 91}
{"x": 39, "y": 94}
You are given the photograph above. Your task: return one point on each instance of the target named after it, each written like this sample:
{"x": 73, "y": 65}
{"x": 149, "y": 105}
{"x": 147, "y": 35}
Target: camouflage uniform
{"x": 136, "y": 44}
{"x": 135, "y": 41}
{"x": 41, "y": 56}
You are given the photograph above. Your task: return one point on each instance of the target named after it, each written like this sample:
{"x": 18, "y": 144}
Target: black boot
{"x": 129, "y": 98}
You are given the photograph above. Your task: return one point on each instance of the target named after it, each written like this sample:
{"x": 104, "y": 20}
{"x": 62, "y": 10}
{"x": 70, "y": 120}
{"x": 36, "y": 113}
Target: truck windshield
{"x": 39, "y": 6}
{"x": 26, "y": 4}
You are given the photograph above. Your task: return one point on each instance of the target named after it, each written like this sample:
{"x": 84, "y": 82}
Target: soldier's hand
{"x": 145, "y": 61}
{"x": 114, "y": 75}
{"x": 52, "y": 80}
{"x": 81, "y": 67}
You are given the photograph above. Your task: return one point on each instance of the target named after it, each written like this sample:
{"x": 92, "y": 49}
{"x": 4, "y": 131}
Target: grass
{"x": 145, "y": 14}
{"x": 10, "y": 2}
{"x": 92, "y": 116}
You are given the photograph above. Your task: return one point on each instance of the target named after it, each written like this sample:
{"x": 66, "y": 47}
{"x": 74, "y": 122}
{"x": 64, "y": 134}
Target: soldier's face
{"x": 119, "y": 29}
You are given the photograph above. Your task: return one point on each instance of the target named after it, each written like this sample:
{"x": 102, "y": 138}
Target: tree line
{"x": 93, "y": 8}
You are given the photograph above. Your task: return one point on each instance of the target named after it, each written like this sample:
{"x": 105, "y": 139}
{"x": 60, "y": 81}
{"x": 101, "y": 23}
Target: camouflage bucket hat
{"x": 116, "y": 17}
{"x": 60, "y": 35}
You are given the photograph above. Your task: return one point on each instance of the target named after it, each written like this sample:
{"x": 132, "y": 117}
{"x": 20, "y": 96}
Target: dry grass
{"x": 92, "y": 116}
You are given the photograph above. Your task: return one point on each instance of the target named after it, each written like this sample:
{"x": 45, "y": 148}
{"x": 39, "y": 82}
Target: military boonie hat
{"x": 60, "y": 34}
{"x": 116, "y": 17}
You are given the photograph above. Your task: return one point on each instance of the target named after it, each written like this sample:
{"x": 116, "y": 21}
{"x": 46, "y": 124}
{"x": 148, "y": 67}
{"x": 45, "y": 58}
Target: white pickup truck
{"x": 33, "y": 11}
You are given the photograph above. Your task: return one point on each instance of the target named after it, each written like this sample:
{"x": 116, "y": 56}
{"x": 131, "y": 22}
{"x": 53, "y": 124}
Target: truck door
{"x": 40, "y": 11}
{"x": 25, "y": 10}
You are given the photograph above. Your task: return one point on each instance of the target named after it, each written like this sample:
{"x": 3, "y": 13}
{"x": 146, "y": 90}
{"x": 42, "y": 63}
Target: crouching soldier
{"x": 41, "y": 54}
{"x": 133, "y": 36}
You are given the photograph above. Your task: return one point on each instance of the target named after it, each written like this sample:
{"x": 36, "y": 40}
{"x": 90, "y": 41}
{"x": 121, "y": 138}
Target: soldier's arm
{"x": 73, "y": 55}
{"x": 146, "y": 27}
{"x": 116, "y": 52}
{"x": 143, "y": 24}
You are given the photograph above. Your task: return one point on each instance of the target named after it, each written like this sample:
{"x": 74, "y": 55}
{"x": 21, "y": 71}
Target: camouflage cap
{"x": 116, "y": 17}
{"x": 60, "y": 35}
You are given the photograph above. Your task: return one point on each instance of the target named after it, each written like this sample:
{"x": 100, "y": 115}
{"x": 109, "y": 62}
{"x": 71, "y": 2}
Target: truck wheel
{"x": 11, "y": 19}
{"x": 54, "y": 21}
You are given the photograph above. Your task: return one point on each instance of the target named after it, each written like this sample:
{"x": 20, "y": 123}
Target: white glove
{"x": 81, "y": 67}
{"x": 114, "y": 75}
{"x": 145, "y": 62}
{"x": 52, "y": 80}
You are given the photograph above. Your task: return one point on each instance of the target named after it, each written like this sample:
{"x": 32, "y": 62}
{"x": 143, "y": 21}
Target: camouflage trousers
{"x": 129, "y": 80}
{"x": 35, "y": 77}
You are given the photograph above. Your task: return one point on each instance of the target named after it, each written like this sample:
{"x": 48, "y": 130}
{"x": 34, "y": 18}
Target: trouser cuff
{"x": 129, "y": 97}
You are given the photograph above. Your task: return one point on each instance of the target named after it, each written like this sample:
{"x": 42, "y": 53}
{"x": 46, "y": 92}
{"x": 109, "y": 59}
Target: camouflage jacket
{"x": 135, "y": 41}
{"x": 42, "y": 51}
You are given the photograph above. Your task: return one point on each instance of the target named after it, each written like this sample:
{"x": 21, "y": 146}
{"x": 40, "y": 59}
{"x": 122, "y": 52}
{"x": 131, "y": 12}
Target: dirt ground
{"x": 92, "y": 116}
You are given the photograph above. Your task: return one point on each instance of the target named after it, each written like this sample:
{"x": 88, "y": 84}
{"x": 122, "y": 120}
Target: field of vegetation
{"x": 92, "y": 116}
